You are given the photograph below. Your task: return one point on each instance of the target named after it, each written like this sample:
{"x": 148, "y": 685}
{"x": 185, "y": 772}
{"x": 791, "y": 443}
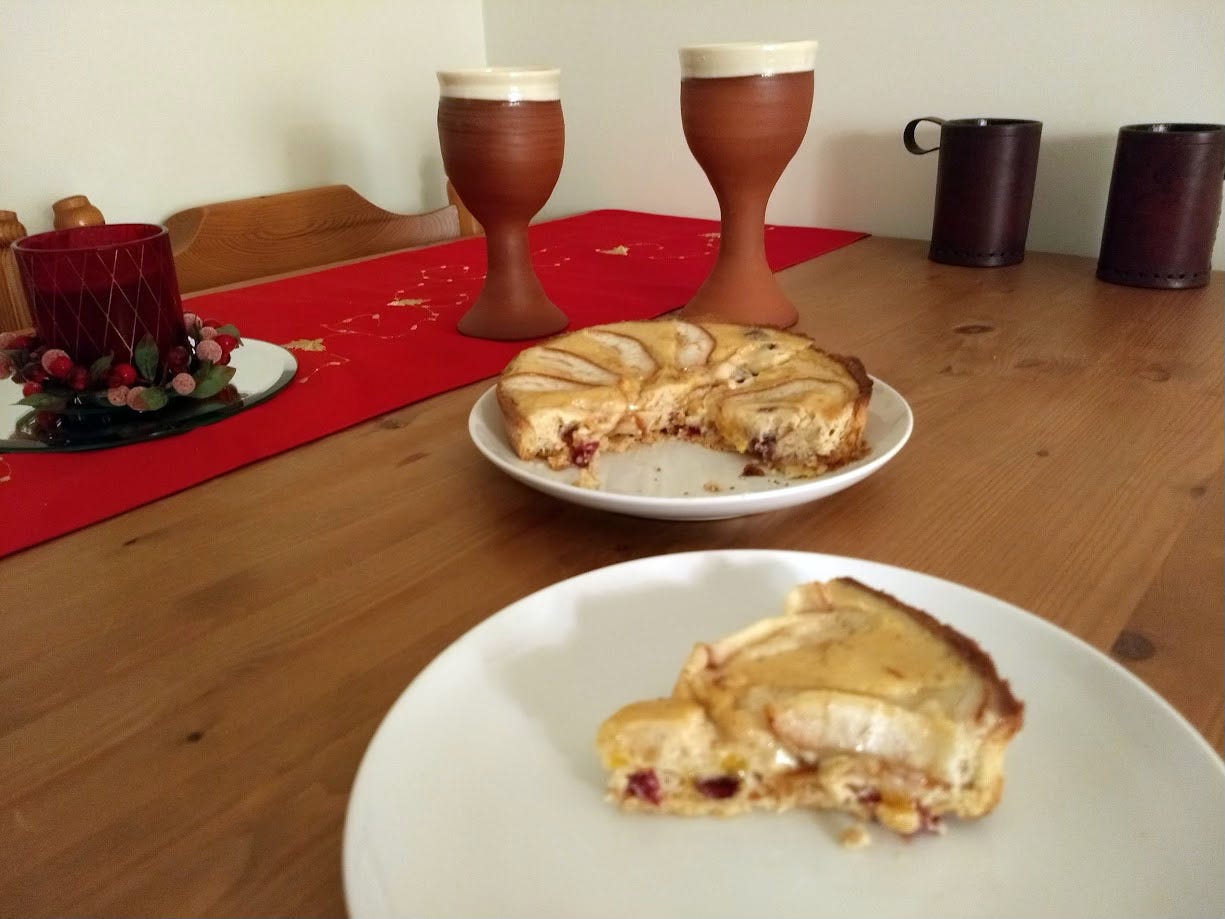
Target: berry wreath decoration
{"x": 53, "y": 382}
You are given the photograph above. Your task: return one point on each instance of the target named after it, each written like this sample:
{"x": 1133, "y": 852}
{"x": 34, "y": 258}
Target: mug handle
{"x": 908, "y": 135}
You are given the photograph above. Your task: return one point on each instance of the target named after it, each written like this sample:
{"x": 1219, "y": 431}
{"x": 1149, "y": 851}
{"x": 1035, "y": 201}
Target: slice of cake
{"x": 850, "y": 701}
{"x": 773, "y": 396}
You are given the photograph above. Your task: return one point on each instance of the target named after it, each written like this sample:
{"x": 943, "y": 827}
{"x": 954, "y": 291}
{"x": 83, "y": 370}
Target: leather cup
{"x": 1164, "y": 205}
{"x": 984, "y": 188}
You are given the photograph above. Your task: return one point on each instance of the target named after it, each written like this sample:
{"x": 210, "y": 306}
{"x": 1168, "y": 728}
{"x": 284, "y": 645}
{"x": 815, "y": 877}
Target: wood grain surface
{"x": 14, "y": 311}
{"x": 186, "y": 690}
{"x": 231, "y": 241}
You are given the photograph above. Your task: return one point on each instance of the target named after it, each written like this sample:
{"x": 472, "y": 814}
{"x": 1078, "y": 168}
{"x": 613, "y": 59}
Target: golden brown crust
{"x": 513, "y": 420}
{"x": 854, "y": 366}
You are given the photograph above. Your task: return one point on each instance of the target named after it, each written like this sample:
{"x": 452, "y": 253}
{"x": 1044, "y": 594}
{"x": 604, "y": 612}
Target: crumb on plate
{"x": 854, "y": 837}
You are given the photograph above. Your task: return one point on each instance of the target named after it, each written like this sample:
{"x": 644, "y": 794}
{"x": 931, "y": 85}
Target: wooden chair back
{"x": 14, "y": 312}
{"x": 236, "y": 241}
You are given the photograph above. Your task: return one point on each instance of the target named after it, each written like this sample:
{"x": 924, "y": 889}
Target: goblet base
{"x": 506, "y": 320}
{"x": 748, "y": 295}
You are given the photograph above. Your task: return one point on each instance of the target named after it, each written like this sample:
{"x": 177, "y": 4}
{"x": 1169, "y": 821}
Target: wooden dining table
{"x": 183, "y": 707}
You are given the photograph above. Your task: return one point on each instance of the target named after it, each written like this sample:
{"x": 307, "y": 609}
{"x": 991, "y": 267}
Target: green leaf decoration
{"x": 210, "y": 380}
{"x": 98, "y": 369}
{"x": 229, "y": 329}
{"x": 145, "y": 358}
{"x": 44, "y": 402}
{"x": 151, "y": 398}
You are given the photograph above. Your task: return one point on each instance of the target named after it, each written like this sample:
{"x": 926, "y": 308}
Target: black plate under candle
{"x": 260, "y": 371}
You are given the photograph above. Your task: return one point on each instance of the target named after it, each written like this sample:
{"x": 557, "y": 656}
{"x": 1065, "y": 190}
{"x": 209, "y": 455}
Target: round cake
{"x": 774, "y": 396}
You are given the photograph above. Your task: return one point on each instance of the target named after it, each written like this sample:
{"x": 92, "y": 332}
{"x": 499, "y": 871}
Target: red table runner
{"x": 372, "y": 337}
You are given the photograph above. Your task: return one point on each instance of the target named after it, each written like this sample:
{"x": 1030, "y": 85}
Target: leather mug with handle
{"x": 984, "y": 188}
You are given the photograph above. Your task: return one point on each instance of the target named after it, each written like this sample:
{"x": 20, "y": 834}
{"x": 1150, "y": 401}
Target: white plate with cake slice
{"x": 678, "y": 480}
{"x": 482, "y": 793}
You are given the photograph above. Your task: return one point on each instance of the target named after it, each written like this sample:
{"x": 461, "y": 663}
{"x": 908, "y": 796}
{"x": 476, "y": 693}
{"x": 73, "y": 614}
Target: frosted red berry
{"x": 60, "y": 366}
{"x": 177, "y": 359}
{"x": 121, "y": 375}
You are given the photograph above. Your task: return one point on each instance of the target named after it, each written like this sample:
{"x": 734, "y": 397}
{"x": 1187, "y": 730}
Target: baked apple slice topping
{"x": 693, "y": 346}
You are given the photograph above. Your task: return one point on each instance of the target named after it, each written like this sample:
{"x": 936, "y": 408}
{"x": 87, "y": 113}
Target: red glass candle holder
{"x": 101, "y": 289}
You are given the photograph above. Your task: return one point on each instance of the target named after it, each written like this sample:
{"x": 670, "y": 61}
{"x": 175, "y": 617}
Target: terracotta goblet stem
{"x": 745, "y": 109}
{"x": 502, "y": 138}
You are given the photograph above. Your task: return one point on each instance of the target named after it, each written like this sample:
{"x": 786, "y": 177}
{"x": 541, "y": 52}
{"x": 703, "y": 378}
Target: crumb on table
{"x": 712, "y": 486}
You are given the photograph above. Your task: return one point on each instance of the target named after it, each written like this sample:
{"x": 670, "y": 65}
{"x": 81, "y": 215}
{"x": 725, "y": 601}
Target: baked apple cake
{"x": 771, "y": 395}
{"x": 850, "y": 701}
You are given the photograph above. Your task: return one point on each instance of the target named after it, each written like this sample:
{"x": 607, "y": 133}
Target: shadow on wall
{"x": 416, "y": 139}
{"x": 433, "y": 181}
{"x": 1070, "y": 193}
{"x": 318, "y": 155}
{"x": 867, "y": 180}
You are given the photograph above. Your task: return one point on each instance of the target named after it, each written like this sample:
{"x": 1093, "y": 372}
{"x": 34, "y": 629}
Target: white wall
{"x": 150, "y": 106}
{"x": 1083, "y": 67}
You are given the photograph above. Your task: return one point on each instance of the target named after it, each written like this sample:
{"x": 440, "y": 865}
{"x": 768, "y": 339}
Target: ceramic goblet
{"x": 745, "y": 109}
{"x": 502, "y": 138}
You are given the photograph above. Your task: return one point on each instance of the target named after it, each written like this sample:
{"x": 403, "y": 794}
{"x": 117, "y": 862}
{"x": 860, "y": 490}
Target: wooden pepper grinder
{"x": 76, "y": 211}
{"x": 14, "y": 313}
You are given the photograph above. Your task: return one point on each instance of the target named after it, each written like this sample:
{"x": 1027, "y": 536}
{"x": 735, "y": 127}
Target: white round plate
{"x": 481, "y": 793}
{"x": 676, "y": 480}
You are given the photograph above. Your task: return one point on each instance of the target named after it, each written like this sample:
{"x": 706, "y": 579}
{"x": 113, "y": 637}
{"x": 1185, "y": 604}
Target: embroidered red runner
{"x": 375, "y": 336}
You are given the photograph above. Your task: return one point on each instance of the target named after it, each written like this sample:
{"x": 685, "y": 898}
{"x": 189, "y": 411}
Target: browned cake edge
{"x": 514, "y": 421}
{"x": 854, "y": 366}
{"x": 1009, "y": 708}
